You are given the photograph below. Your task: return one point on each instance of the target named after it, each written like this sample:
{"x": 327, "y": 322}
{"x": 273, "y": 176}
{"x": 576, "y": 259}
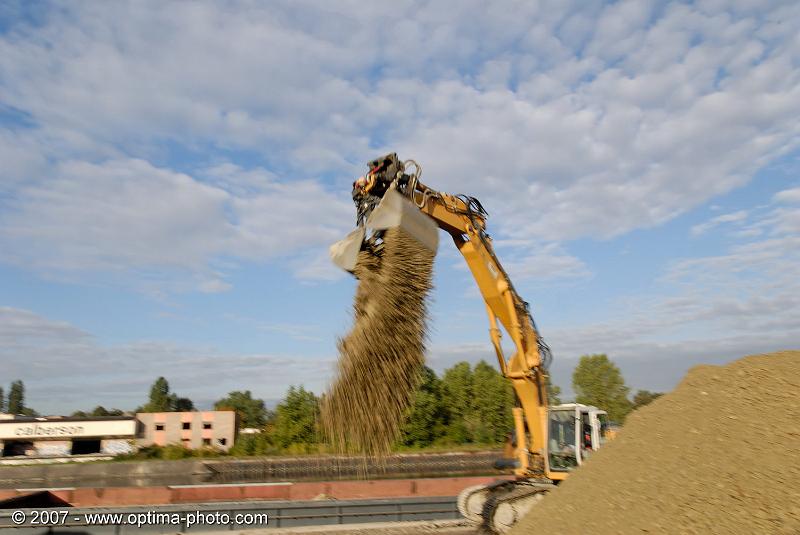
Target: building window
{"x": 206, "y": 442}
{"x": 222, "y": 441}
{"x": 159, "y": 427}
{"x": 187, "y": 425}
{"x": 206, "y": 425}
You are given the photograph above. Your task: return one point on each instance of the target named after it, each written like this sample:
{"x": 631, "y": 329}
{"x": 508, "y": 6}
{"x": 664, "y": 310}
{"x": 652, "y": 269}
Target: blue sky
{"x": 172, "y": 174}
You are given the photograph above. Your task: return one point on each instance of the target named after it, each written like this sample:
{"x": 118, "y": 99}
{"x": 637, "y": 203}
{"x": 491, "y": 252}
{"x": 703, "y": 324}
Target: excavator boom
{"x": 388, "y": 196}
{"x": 550, "y": 441}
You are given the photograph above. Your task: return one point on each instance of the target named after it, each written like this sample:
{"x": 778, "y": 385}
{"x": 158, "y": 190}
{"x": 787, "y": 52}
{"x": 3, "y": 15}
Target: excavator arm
{"x": 390, "y": 196}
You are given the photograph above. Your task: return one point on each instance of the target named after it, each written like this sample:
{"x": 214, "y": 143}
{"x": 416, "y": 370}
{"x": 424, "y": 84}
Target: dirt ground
{"x": 719, "y": 454}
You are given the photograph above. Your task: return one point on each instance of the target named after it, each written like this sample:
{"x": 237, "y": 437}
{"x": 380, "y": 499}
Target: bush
{"x": 176, "y": 451}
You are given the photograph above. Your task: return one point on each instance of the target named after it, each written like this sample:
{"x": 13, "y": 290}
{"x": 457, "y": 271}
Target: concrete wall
{"x": 129, "y": 473}
{"x": 54, "y": 448}
{"x": 337, "y": 490}
{"x": 117, "y": 446}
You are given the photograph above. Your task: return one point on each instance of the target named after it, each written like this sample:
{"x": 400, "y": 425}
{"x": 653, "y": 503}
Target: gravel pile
{"x": 719, "y": 454}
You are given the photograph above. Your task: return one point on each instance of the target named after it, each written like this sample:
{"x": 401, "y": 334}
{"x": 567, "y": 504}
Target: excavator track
{"x": 496, "y": 508}
{"x": 472, "y": 501}
{"x": 510, "y": 506}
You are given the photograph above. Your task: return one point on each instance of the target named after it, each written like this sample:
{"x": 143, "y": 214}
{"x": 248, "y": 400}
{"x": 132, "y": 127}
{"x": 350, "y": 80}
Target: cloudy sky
{"x": 171, "y": 175}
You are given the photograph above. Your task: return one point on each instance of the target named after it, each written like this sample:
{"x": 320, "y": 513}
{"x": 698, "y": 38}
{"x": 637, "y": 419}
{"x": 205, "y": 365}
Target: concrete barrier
{"x": 103, "y": 473}
{"x": 306, "y": 490}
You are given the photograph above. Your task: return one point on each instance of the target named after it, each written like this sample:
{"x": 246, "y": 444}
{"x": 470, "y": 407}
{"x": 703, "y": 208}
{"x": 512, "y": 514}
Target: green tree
{"x": 252, "y": 412}
{"x": 598, "y": 381}
{"x": 16, "y": 398}
{"x": 425, "y": 421}
{"x": 2, "y": 400}
{"x": 102, "y": 411}
{"x": 79, "y": 414}
{"x": 493, "y": 398}
{"x": 456, "y": 390}
{"x": 162, "y": 400}
{"x": 254, "y": 444}
{"x": 179, "y": 404}
{"x": 644, "y": 397}
{"x": 296, "y": 418}
{"x": 553, "y": 393}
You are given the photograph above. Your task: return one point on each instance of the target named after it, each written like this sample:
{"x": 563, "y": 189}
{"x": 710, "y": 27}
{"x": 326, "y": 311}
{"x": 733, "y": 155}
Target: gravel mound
{"x": 719, "y": 454}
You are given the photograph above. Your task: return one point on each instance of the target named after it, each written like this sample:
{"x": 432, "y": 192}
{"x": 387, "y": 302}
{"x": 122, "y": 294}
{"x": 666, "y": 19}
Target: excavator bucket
{"x": 344, "y": 253}
{"x": 394, "y": 210}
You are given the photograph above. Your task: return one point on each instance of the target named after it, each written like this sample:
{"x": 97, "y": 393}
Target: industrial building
{"x": 193, "y": 430}
{"x": 57, "y": 436}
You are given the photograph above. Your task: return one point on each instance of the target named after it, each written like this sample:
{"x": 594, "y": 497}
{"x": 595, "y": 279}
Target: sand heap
{"x": 380, "y": 360}
{"x": 720, "y": 454}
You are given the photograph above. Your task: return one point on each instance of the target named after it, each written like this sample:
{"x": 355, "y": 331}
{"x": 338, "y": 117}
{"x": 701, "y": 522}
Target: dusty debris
{"x": 382, "y": 357}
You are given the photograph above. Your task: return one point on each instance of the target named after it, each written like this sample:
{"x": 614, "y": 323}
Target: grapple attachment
{"x": 395, "y": 210}
{"x": 344, "y": 253}
{"x": 381, "y": 206}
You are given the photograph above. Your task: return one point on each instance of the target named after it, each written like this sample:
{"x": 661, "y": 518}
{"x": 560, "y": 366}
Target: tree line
{"x": 466, "y": 405}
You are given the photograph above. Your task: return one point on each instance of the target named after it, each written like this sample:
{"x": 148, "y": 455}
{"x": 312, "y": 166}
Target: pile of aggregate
{"x": 719, "y": 454}
{"x": 382, "y": 357}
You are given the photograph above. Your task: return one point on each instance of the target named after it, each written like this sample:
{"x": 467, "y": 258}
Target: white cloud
{"x": 733, "y": 217}
{"x": 544, "y": 262}
{"x": 296, "y": 331}
{"x": 317, "y": 266}
{"x": 127, "y": 217}
{"x": 21, "y": 159}
{"x": 118, "y": 215}
{"x": 563, "y": 133}
{"x": 60, "y": 363}
{"x": 788, "y": 196}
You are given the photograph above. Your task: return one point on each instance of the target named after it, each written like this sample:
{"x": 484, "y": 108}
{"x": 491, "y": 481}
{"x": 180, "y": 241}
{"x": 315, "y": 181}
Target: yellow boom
{"x": 387, "y": 196}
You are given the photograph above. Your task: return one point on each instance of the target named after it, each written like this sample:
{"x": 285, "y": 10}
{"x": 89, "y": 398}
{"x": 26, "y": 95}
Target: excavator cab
{"x": 575, "y": 431}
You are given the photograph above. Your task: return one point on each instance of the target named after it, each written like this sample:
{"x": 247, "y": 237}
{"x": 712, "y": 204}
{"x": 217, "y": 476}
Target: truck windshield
{"x": 561, "y": 442}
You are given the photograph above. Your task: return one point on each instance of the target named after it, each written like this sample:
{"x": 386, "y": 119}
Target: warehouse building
{"x": 60, "y": 437}
{"x": 57, "y": 436}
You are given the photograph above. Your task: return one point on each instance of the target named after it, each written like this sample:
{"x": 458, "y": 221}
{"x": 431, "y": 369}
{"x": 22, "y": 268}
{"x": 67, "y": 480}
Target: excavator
{"x": 548, "y": 441}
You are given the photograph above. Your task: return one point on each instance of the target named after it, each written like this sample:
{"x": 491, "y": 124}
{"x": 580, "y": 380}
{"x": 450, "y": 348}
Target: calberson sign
{"x": 45, "y": 430}
{"x": 66, "y": 429}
